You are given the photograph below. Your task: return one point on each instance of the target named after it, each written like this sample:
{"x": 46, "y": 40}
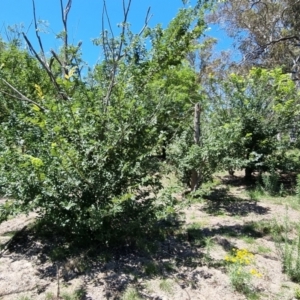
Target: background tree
{"x": 246, "y": 115}
{"x": 266, "y": 32}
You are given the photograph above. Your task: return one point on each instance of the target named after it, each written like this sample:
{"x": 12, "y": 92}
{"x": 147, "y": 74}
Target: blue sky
{"x": 85, "y": 20}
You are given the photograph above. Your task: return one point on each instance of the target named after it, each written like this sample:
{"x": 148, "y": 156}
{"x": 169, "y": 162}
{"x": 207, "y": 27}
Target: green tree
{"x": 247, "y": 116}
{"x": 82, "y": 151}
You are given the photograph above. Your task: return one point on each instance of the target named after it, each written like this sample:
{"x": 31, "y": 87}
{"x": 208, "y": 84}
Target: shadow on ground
{"x": 119, "y": 267}
{"x": 220, "y": 201}
{"x": 177, "y": 255}
{"x": 174, "y": 253}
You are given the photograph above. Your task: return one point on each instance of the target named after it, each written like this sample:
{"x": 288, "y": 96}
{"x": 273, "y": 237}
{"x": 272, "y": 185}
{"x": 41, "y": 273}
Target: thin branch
{"x": 56, "y": 57}
{"x": 119, "y": 53}
{"x": 103, "y": 37}
{"x": 259, "y": 2}
{"x": 64, "y": 16}
{"x": 22, "y": 97}
{"x": 126, "y": 11}
{"x": 147, "y": 19}
{"x": 108, "y": 19}
{"x": 37, "y": 31}
{"x": 105, "y": 42}
{"x": 45, "y": 66}
{"x": 292, "y": 37}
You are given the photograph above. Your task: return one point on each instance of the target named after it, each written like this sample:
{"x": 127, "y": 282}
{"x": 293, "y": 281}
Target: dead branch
{"x": 147, "y": 19}
{"x": 37, "y": 31}
{"x": 64, "y": 16}
{"x": 111, "y": 31}
{"x": 119, "y": 53}
{"x": 45, "y": 66}
{"x": 56, "y": 57}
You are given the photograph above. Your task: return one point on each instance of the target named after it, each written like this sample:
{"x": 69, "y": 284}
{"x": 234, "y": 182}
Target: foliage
{"x": 297, "y": 293}
{"x": 246, "y": 116}
{"x": 271, "y": 182}
{"x": 298, "y": 187}
{"x": 84, "y": 152}
{"x": 291, "y": 257}
{"x": 266, "y": 32}
{"x": 289, "y": 249}
{"x": 240, "y": 279}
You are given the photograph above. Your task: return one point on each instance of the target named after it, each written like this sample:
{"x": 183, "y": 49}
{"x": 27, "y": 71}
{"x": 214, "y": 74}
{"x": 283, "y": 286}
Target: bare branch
{"x": 45, "y": 66}
{"x": 37, "y": 32}
{"x": 119, "y": 53}
{"x": 105, "y": 43}
{"x": 147, "y": 19}
{"x": 56, "y": 57}
{"x": 21, "y": 96}
{"x": 64, "y": 16}
{"x": 108, "y": 18}
{"x": 126, "y": 11}
{"x": 292, "y": 37}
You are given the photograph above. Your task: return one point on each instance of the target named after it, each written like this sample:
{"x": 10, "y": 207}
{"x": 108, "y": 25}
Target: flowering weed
{"x": 240, "y": 277}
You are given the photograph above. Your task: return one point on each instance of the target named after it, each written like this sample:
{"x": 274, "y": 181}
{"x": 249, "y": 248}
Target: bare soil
{"x": 188, "y": 264}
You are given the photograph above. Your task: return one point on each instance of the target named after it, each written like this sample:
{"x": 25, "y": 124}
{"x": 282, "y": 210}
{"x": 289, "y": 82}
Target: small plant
{"x": 291, "y": 258}
{"x": 240, "y": 277}
{"x": 289, "y": 251}
{"x": 297, "y": 293}
{"x": 166, "y": 286}
{"x": 50, "y": 296}
{"x": 209, "y": 244}
{"x": 78, "y": 294}
{"x": 298, "y": 187}
{"x": 151, "y": 268}
{"x": 263, "y": 249}
{"x": 248, "y": 239}
{"x": 271, "y": 183}
{"x": 24, "y": 298}
{"x": 255, "y": 193}
{"x": 131, "y": 294}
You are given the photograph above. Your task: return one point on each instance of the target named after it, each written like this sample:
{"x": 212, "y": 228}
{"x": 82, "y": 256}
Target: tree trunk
{"x": 196, "y": 176}
{"x": 248, "y": 173}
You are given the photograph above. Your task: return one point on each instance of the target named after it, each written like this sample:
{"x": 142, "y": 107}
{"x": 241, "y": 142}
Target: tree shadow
{"x": 179, "y": 254}
{"x": 175, "y": 252}
{"x": 220, "y": 202}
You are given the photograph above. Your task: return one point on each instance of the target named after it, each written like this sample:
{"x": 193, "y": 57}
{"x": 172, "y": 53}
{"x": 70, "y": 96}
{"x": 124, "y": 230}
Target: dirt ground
{"x": 189, "y": 264}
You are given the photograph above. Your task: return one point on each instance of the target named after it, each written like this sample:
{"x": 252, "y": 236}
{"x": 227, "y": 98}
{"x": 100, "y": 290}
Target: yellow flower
{"x": 240, "y": 256}
{"x": 255, "y": 273}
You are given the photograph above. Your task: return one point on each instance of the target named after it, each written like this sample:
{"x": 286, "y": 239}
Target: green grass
{"x": 76, "y": 295}
{"x": 24, "y": 298}
{"x": 263, "y": 250}
{"x": 131, "y": 294}
{"x": 297, "y": 293}
{"x": 151, "y": 268}
{"x": 10, "y": 233}
{"x": 248, "y": 239}
{"x": 255, "y": 194}
{"x": 195, "y": 234}
{"x": 166, "y": 286}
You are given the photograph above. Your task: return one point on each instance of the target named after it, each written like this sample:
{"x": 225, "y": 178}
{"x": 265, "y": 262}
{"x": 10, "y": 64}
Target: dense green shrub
{"x": 84, "y": 152}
